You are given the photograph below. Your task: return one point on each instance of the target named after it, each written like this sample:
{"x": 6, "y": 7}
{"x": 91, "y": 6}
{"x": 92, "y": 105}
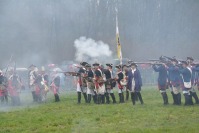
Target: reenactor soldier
{"x": 81, "y": 82}
{"x": 196, "y": 69}
{"x": 14, "y": 87}
{"x": 3, "y": 88}
{"x": 99, "y": 83}
{"x": 135, "y": 83}
{"x": 55, "y": 85}
{"x": 162, "y": 80}
{"x": 124, "y": 80}
{"x": 90, "y": 84}
{"x": 186, "y": 77}
{"x": 194, "y": 79}
{"x": 38, "y": 86}
{"x": 44, "y": 83}
{"x": 32, "y": 76}
{"x": 175, "y": 81}
{"x": 120, "y": 76}
{"x": 109, "y": 83}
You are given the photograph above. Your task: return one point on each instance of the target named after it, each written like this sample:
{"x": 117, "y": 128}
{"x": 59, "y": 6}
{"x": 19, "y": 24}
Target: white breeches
{"x": 81, "y": 89}
{"x": 101, "y": 90}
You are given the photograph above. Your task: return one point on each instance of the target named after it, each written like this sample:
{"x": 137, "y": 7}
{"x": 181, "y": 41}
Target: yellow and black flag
{"x": 119, "y": 48}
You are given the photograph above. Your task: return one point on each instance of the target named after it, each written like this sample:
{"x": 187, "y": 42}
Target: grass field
{"x": 68, "y": 116}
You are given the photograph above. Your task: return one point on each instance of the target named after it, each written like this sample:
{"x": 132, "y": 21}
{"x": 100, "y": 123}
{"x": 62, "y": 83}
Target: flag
{"x": 119, "y": 48}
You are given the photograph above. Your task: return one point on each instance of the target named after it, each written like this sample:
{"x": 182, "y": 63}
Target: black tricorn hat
{"x": 133, "y": 64}
{"x": 87, "y": 65}
{"x": 130, "y": 61}
{"x": 31, "y": 66}
{"x": 184, "y": 62}
{"x": 118, "y": 66}
{"x": 83, "y": 63}
{"x": 124, "y": 65}
{"x": 174, "y": 59}
{"x": 190, "y": 58}
{"x": 96, "y": 64}
{"x": 110, "y": 65}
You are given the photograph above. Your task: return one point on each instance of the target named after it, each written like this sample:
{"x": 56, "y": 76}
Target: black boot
{"x": 107, "y": 98}
{"x": 122, "y": 96}
{"x": 127, "y": 95}
{"x": 78, "y": 97}
{"x": 85, "y": 97}
{"x": 136, "y": 96}
{"x": 194, "y": 95}
{"x": 89, "y": 98}
{"x": 95, "y": 99}
{"x": 173, "y": 96}
{"x": 103, "y": 99}
{"x": 57, "y": 98}
{"x": 113, "y": 97}
{"x": 140, "y": 97}
{"x": 190, "y": 99}
{"x": 98, "y": 99}
{"x": 6, "y": 98}
{"x": 34, "y": 96}
{"x": 175, "y": 99}
{"x": 133, "y": 97}
{"x": 165, "y": 98}
{"x": 186, "y": 97}
{"x": 179, "y": 99}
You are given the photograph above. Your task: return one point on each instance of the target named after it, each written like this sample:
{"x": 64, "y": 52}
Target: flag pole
{"x": 119, "y": 48}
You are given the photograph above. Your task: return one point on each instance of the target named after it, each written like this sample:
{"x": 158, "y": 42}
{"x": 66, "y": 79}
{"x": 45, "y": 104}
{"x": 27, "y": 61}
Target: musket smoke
{"x": 90, "y": 50}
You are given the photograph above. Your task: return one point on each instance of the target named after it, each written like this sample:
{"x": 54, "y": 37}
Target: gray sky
{"x": 44, "y": 31}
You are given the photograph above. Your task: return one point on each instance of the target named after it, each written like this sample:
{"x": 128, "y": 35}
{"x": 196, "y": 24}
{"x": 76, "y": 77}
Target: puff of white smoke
{"x": 88, "y": 49}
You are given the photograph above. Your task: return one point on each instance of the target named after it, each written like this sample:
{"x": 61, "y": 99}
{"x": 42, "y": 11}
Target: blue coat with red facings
{"x": 137, "y": 78}
{"x": 174, "y": 75}
{"x": 195, "y": 78}
{"x": 187, "y": 75}
{"x": 162, "y": 77}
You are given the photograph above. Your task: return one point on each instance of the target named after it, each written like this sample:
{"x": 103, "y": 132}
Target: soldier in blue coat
{"x": 186, "y": 77}
{"x": 120, "y": 76}
{"x": 109, "y": 83}
{"x": 196, "y": 69}
{"x": 162, "y": 80}
{"x": 175, "y": 81}
{"x": 134, "y": 83}
{"x": 193, "y": 79}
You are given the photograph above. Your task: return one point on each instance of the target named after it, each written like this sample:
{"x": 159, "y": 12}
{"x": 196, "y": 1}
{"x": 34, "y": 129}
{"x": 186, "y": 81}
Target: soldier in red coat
{"x": 3, "y": 88}
{"x": 14, "y": 88}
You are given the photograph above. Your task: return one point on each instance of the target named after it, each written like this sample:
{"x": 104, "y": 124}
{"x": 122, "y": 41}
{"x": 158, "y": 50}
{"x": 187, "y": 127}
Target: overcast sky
{"x": 44, "y": 31}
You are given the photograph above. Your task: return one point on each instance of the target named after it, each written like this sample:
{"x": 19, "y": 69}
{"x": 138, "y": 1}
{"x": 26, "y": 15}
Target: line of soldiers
{"x": 39, "y": 84}
{"x": 98, "y": 82}
{"x": 177, "y": 77}
{"x": 10, "y": 86}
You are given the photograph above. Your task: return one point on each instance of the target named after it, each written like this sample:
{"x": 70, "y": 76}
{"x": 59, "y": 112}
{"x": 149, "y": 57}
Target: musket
{"x": 70, "y": 73}
{"x": 150, "y": 63}
{"x": 8, "y": 65}
{"x": 154, "y": 60}
{"x": 166, "y": 57}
